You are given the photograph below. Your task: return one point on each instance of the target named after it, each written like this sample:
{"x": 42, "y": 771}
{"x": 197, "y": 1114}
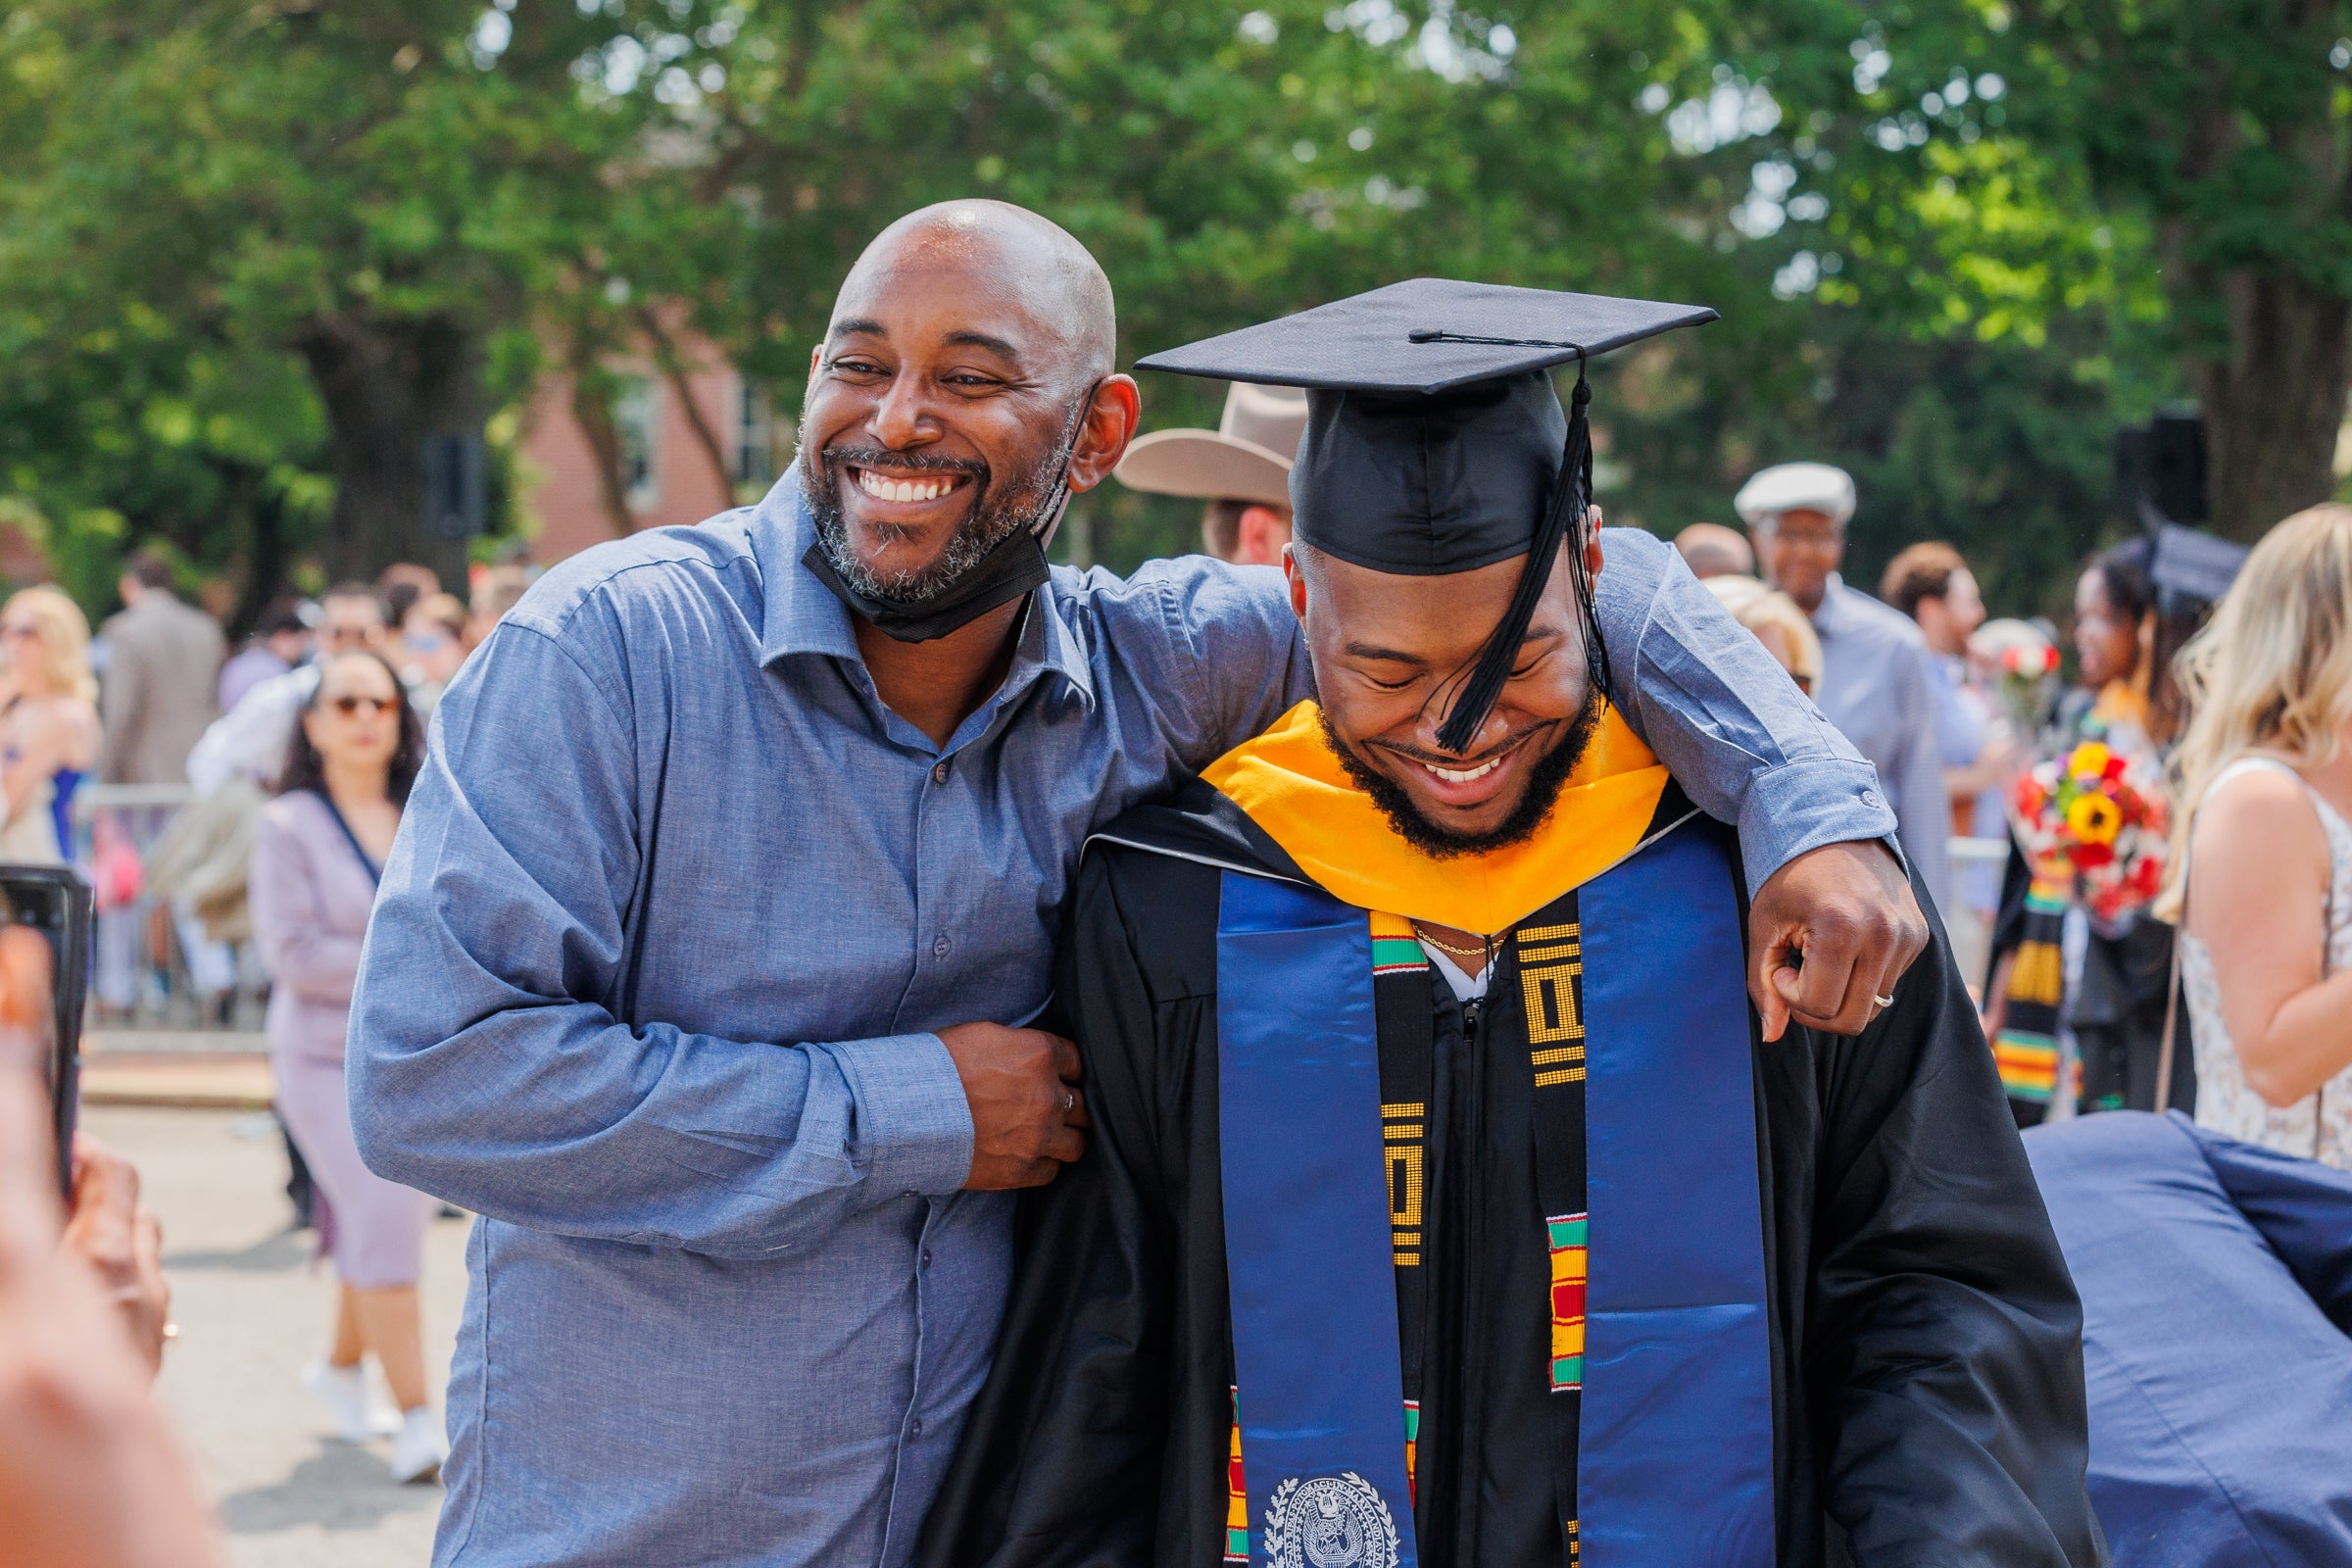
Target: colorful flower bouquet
{"x": 2097, "y": 820}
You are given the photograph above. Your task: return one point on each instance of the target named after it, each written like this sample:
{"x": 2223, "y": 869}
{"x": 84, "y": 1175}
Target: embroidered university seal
{"x": 1329, "y": 1522}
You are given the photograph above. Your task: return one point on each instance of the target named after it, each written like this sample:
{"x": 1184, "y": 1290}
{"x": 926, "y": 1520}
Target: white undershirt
{"x": 1465, "y": 989}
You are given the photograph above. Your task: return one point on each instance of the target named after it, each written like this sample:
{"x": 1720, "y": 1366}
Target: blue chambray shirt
{"x": 650, "y": 987}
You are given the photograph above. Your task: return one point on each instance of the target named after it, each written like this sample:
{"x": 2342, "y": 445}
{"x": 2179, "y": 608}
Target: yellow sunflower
{"x": 2094, "y": 819}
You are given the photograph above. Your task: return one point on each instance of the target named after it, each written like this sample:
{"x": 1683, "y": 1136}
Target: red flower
{"x": 2113, "y": 773}
{"x": 2090, "y": 855}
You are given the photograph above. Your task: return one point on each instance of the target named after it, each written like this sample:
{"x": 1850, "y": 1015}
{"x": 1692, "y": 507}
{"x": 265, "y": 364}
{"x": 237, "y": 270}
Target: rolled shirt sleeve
{"x": 1749, "y": 747}
{"x": 492, "y": 1058}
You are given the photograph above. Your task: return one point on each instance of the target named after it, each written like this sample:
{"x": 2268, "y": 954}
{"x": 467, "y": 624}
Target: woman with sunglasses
{"x": 317, "y": 854}
{"x": 49, "y": 727}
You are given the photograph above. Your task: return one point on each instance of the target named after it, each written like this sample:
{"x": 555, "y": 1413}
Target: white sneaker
{"x": 421, "y": 1446}
{"x": 344, "y": 1391}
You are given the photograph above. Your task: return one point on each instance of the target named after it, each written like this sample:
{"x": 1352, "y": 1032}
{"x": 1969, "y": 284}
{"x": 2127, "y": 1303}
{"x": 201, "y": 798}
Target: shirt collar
{"x": 1832, "y": 616}
{"x": 800, "y": 615}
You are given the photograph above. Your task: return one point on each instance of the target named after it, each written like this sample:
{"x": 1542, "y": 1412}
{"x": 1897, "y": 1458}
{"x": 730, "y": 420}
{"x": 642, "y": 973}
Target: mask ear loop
{"x": 1060, "y": 497}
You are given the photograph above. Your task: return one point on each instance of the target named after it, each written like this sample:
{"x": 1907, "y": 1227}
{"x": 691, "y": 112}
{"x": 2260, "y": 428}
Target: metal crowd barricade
{"x": 158, "y": 980}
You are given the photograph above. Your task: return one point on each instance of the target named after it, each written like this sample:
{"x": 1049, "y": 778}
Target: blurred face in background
{"x": 429, "y": 644}
{"x": 349, "y": 624}
{"x": 1798, "y": 550}
{"x": 1946, "y": 622}
{"x": 355, "y": 721}
{"x": 45, "y": 642}
{"x": 2106, "y": 642}
{"x": 290, "y": 644}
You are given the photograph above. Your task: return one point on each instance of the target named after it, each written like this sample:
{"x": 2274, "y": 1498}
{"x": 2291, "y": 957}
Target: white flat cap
{"x": 1796, "y": 487}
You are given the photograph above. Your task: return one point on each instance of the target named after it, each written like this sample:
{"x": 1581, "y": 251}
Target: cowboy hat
{"x": 1248, "y": 457}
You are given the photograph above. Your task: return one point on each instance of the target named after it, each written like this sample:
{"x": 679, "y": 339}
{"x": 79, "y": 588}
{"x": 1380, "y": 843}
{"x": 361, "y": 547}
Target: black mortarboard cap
{"x": 1435, "y": 441}
{"x": 2193, "y": 569}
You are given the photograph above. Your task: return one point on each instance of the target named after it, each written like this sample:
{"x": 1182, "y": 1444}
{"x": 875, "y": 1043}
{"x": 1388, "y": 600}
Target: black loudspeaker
{"x": 455, "y": 502}
{"x": 2160, "y": 471}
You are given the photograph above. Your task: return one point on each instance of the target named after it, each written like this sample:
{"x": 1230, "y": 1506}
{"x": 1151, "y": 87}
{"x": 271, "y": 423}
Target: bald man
{"x": 709, "y": 966}
{"x": 1710, "y": 549}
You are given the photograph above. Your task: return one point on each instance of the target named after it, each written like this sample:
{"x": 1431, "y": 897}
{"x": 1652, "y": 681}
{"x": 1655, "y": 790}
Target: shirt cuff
{"x": 914, "y": 1126}
{"x": 1799, "y": 807}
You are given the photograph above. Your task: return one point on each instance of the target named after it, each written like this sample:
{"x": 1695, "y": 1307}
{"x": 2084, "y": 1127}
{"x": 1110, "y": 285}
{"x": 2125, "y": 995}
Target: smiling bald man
{"x": 707, "y": 963}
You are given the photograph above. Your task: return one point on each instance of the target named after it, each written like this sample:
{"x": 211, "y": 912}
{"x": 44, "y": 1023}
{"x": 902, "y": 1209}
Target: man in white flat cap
{"x": 1241, "y": 468}
{"x": 1875, "y": 684}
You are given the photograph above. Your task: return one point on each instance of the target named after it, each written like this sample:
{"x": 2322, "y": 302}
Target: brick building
{"x": 667, "y": 472}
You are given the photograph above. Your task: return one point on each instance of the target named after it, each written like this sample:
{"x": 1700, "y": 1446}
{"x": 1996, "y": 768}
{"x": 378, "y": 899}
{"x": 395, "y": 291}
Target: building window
{"x": 633, "y": 420}
{"x": 751, "y": 435}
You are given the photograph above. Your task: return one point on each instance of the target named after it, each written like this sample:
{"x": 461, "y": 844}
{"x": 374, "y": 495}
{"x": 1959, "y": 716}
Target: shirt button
{"x": 940, "y": 945}
{"x": 1870, "y": 797}
{"x": 914, "y": 1428}
{"x": 939, "y": 771}
{"x": 926, "y": 1258}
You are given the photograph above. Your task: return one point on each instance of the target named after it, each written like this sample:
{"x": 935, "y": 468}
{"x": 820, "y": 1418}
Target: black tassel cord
{"x": 1571, "y": 500}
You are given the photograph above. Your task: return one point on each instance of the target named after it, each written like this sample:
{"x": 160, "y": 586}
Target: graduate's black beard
{"x": 1544, "y": 785}
{"x": 996, "y": 515}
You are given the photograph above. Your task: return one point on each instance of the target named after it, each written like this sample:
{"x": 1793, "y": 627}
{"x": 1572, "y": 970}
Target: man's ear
{"x": 1297, "y": 580}
{"x": 1110, "y": 421}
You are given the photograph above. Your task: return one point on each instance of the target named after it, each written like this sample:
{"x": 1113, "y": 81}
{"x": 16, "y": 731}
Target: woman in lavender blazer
{"x": 315, "y": 859}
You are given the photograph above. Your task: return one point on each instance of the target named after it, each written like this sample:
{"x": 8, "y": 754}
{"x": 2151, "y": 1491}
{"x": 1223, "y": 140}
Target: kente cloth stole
{"x": 1636, "y": 979}
{"x": 2025, "y": 1050}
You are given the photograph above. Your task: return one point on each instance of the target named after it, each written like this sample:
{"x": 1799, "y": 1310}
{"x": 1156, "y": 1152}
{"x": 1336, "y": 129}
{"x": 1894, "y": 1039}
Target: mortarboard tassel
{"x": 1571, "y": 500}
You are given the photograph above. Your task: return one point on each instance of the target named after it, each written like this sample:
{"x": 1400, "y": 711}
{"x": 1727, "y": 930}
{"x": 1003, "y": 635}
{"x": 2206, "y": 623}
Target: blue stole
{"x": 1676, "y": 1444}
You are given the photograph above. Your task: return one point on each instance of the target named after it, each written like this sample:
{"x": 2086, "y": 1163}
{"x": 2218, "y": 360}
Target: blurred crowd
{"x": 2203, "y": 727}
{"x": 232, "y": 812}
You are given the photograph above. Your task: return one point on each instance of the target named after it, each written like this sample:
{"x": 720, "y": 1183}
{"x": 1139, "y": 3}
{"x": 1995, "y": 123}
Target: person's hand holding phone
{"x": 108, "y": 1229}
{"x": 90, "y": 1475}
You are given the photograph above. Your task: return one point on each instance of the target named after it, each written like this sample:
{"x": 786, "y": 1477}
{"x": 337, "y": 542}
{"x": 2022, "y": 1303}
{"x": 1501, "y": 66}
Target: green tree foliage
{"x": 323, "y": 231}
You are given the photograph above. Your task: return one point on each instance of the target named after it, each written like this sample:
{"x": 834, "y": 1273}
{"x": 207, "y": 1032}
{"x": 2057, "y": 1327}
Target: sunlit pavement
{"x": 252, "y": 1308}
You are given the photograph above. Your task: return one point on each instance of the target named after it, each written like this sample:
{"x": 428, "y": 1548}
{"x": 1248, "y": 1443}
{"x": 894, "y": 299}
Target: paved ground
{"x": 252, "y": 1310}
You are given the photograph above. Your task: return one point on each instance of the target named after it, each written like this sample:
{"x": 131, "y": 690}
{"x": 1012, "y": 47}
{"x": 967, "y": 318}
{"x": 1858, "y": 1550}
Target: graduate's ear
{"x": 1297, "y": 580}
{"x": 1592, "y": 555}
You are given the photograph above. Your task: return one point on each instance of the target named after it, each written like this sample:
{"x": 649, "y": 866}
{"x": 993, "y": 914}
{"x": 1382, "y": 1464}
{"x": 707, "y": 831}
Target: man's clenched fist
{"x": 1022, "y": 1085}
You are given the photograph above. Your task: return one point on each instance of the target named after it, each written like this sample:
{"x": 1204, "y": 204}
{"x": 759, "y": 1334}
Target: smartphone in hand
{"x": 44, "y": 977}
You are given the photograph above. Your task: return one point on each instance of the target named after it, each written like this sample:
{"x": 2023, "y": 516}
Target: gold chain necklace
{"x": 1482, "y": 953}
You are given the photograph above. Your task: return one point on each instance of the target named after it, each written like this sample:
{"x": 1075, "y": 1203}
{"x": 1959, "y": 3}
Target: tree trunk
{"x": 2275, "y": 404}
{"x": 674, "y": 370}
{"x": 388, "y": 385}
{"x": 592, "y": 412}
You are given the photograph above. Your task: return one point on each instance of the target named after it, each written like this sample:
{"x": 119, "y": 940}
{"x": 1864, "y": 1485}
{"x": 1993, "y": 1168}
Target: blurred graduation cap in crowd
{"x": 2160, "y": 484}
{"x": 1435, "y": 440}
{"x": 2192, "y": 569}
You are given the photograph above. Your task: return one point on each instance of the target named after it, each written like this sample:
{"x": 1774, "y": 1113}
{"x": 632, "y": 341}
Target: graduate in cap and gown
{"x": 1443, "y": 1206}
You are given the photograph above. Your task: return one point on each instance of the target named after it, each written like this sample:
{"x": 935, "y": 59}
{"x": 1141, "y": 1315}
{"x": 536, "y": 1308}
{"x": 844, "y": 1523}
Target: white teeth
{"x": 1464, "y": 776}
{"x": 882, "y": 489}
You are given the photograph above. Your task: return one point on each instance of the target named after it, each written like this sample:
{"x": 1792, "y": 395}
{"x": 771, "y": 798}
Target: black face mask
{"x": 1013, "y": 566}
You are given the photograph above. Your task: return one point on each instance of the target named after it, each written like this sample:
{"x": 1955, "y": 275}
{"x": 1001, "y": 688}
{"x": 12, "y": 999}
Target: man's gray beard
{"x": 993, "y": 520}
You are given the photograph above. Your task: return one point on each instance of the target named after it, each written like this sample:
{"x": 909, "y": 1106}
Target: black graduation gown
{"x": 1926, "y": 1337}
